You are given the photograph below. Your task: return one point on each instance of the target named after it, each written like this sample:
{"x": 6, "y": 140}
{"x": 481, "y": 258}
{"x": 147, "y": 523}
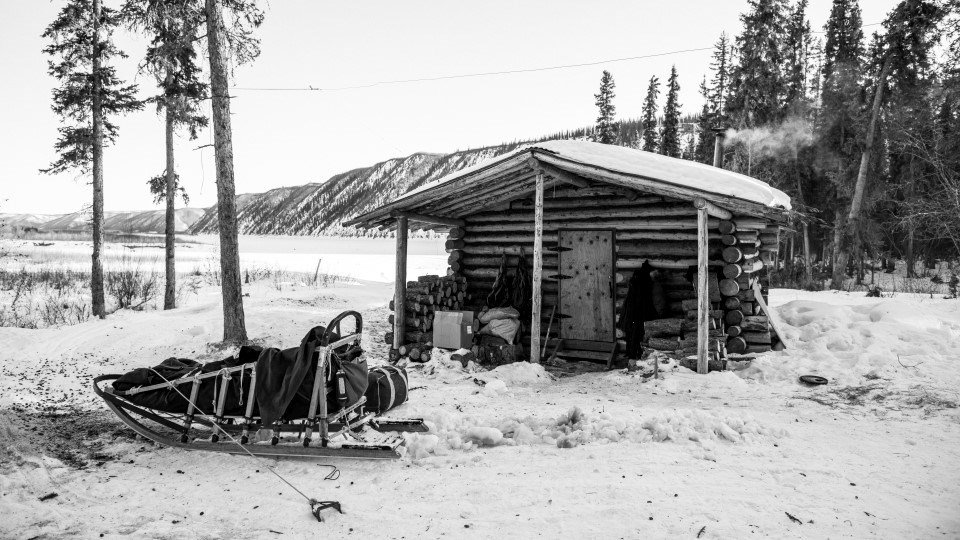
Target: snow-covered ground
{"x": 515, "y": 452}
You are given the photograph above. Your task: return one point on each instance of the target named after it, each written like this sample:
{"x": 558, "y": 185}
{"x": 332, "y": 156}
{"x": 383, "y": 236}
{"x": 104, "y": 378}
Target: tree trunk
{"x": 170, "y": 291}
{"x": 96, "y": 272}
{"x": 807, "y": 263}
{"x": 856, "y": 205}
{"x": 234, "y": 327}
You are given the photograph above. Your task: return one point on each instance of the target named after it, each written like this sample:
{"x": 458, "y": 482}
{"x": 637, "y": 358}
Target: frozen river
{"x": 360, "y": 258}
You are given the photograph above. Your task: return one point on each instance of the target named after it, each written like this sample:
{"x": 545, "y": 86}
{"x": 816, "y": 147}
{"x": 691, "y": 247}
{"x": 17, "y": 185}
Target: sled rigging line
{"x": 315, "y": 505}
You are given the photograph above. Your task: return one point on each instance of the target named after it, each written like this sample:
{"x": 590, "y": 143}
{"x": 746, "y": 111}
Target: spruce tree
{"x": 720, "y": 83}
{"x": 757, "y": 88}
{"x": 648, "y": 124}
{"x": 171, "y": 58}
{"x": 90, "y": 95}
{"x": 703, "y": 150}
{"x": 670, "y": 132}
{"x": 606, "y": 128}
{"x": 796, "y": 57}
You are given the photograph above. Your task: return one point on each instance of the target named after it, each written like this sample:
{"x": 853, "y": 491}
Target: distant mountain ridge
{"x": 316, "y": 209}
{"x": 147, "y": 221}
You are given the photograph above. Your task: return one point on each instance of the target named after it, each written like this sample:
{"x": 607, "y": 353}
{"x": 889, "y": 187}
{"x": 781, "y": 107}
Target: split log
{"x": 756, "y": 323}
{"x": 732, "y": 254}
{"x": 747, "y": 308}
{"x": 746, "y": 295}
{"x": 729, "y": 287}
{"x": 736, "y": 345}
{"x": 732, "y": 302}
{"x": 732, "y": 271}
{"x": 689, "y": 304}
{"x": 733, "y": 317}
{"x": 659, "y": 328}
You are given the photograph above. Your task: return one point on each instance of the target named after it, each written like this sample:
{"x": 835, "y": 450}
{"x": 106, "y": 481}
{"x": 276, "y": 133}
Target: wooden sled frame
{"x": 337, "y": 433}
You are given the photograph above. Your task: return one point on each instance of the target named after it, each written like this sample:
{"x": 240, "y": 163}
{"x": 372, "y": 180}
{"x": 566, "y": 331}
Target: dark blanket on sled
{"x": 284, "y": 381}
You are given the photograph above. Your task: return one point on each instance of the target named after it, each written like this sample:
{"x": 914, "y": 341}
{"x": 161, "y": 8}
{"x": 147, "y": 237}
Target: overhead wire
{"x": 311, "y": 88}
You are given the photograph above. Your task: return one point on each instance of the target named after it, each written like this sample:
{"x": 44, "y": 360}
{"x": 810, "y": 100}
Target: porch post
{"x": 537, "y": 271}
{"x": 703, "y": 292}
{"x": 400, "y": 290}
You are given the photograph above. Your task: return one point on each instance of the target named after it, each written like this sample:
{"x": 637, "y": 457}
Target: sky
{"x": 291, "y": 137}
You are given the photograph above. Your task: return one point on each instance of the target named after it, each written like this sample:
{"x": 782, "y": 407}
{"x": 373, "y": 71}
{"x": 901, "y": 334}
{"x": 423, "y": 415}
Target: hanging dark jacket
{"x": 637, "y": 308}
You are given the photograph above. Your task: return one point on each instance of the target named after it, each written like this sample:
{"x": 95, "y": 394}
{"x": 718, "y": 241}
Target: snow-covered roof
{"x": 625, "y": 167}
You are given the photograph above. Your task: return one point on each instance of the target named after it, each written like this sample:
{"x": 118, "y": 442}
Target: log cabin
{"x": 584, "y": 218}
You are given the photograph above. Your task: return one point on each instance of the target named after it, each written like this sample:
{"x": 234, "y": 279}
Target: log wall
{"x": 657, "y": 230}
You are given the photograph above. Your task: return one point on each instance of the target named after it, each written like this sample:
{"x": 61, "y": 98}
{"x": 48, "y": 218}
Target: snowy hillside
{"x": 319, "y": 209}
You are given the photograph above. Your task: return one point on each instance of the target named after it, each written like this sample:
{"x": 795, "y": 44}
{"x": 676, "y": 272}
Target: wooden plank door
{"x": 587, "y": 285}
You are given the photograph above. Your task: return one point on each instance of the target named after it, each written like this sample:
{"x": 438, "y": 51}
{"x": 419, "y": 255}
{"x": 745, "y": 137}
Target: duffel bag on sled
{"x": 386, "y": 388}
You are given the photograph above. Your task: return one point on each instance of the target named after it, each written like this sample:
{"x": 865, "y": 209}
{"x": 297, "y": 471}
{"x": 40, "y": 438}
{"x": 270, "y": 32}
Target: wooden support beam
{"x": 703, "y": 295}
{"x": 537, "y": 271}
{"x": 423, "y": 218}
{"x": 400, "y": 291}
{"x": 561, "y": 175}
{"x": 712, "y": 209}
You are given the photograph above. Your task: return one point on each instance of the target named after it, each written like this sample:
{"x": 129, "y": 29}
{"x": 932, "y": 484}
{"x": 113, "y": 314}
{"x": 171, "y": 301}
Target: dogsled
{"x": 315, "y": 400}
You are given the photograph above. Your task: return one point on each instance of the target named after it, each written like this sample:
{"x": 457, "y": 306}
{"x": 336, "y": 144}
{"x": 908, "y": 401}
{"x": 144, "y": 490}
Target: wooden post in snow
{"x": 537, "y": 271}
{"x": 400, "y": 290}
{"x": 703, "y": 294}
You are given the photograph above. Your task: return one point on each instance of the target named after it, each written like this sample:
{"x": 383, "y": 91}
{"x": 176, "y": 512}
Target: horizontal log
{"x": 762, "y": 338}
{"x": 727, "y": 227}
{"x": 582, "y": 201}
{"x": 756, "y": 323}
{"x": 713, "y": 313}
{"x": 734, "y": 330}
{"x": 757, "y": 348}
{"x": 596, "y": 222}
{"x": 583, "y": 213}
{"x": 662, "y": 328}
{"x": 663, "y": 343}
{"x": 454, "y": 244}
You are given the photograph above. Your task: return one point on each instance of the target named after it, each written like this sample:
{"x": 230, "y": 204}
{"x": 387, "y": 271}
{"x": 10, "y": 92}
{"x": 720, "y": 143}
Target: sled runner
{"x": 309, "y": 400}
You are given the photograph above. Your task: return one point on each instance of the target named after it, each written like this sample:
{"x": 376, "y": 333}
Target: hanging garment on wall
{"x": 521, "y": 290}
{"x": 500, "y": 295}
{"x": 637, "y": 308}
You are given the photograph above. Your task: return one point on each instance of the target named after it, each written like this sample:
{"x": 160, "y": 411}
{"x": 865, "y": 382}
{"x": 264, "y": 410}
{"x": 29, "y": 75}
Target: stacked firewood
{"x": 426, "y": 296}
{"x": 746, "y": 326}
